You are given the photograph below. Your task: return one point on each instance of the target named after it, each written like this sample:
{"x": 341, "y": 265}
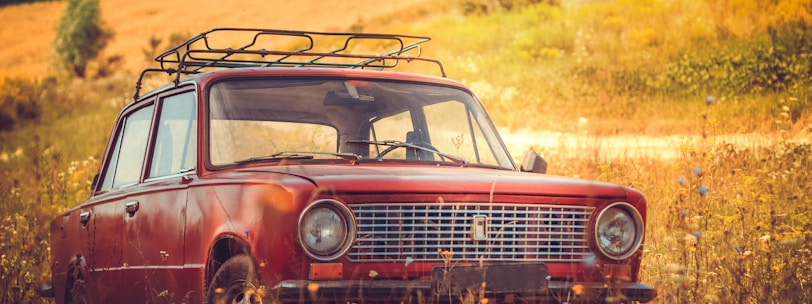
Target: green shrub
{"x": 773, "y": 63}
{"x": 80, "y": 36}
{"x": 19, "y": 101}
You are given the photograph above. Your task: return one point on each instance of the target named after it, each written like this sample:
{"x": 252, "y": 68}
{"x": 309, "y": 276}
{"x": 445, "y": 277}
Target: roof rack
{"x": 199, "y": 54}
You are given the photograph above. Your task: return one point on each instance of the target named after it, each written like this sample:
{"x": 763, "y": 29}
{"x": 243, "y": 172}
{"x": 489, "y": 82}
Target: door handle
{"x": 131, "y": 207}
{"x": 84, "y": 217}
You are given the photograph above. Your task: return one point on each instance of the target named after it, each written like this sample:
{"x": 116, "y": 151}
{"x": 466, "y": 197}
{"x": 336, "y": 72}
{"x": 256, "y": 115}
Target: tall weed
{"x": 46, "y": 165}
{"x": 728, "y": 222}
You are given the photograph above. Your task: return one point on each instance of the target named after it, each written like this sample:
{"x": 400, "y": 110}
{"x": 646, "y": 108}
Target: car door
{"x": 155, "y": 214}
{"x": 101, "y": 219}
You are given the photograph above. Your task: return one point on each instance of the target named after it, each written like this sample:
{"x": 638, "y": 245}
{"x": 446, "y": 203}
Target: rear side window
{"x": 176, "y": 140}
{"x": 127, "y": 160}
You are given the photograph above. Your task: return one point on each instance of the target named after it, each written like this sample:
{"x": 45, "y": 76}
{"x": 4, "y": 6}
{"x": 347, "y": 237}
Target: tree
{"x": 81, "y": 35}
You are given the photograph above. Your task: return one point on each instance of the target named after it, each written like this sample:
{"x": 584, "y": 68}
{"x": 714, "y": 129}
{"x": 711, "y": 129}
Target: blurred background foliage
{"x": 12, "y": 2}
{"x": 736, "y": 232}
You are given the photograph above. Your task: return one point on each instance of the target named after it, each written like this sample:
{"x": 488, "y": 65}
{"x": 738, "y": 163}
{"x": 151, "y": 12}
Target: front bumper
{"x": 400, "y": 291}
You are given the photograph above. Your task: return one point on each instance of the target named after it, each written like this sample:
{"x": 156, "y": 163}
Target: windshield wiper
{"x": 297, "y": 155}
{"x": 392, "y": 144}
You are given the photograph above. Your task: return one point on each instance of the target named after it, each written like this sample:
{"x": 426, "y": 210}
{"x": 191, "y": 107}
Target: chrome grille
{"x": 424, "y": 231}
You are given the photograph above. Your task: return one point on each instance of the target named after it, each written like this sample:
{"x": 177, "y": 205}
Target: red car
{"x": 322, "y": 175}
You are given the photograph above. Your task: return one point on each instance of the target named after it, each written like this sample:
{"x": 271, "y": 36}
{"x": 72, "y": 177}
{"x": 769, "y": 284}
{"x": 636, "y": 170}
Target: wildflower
{"x": 710, "y": 298}
{"x": 312, "y": 287}
{"x": 680, "y": 278}
{"x": 447, "y": 255}
{"x": 548, "y": 278}
{"x": 578, "y": 289}
{"x": 373, "y": 274}
{"x": 674, "y": 268}
{"x": 776, "y": 268}
{"x": 409, "y": 260}
{"x": 696, "y": 234}
{"x": 697, "y": 171}
{"x": 702, "y": 190}
{"x": 582, "y": 122}
{"x": 681, "y": 180}
{"x": 690, "y": 238}
{"x": 710, "y": 100}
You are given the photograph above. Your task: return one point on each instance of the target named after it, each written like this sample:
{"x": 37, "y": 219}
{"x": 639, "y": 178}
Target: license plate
{"x": 507, "y": 278}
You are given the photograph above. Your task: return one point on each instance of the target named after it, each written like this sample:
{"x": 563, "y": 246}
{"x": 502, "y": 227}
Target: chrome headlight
{"x": 619, "y": 231}
{"x": 326, "y": 229}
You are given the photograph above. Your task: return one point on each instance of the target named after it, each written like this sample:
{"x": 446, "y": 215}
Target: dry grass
{"x": 30, "y": 28}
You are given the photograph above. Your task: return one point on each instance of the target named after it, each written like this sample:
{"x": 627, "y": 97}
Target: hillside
{"x": 30, "y": 28}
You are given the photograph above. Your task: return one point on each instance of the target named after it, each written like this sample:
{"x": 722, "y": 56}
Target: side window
{"x": 176, "y": 139}
{"x": 128, "y": 155}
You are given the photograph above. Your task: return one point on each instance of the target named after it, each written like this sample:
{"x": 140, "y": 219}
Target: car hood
{"x": 365, "y": 178}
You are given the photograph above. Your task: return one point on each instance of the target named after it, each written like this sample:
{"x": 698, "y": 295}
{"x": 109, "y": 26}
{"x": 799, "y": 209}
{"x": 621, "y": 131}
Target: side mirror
{"x": 532, "y": 162}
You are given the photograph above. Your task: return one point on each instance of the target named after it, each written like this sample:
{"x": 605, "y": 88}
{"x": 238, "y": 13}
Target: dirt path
{"x": 628, "y": 146}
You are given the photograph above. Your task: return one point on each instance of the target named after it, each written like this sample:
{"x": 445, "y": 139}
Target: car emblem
{"x": 479, "y": 228}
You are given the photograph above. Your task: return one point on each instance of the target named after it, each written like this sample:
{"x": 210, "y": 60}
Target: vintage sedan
{"x": 312, "y": 175}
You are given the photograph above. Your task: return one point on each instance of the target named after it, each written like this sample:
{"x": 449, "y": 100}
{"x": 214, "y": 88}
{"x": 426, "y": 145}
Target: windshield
{"x": 310, "y": 120}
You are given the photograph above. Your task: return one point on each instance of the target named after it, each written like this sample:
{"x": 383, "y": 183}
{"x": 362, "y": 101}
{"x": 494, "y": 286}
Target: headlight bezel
{"x": 637, "y": 221}
{"x": 347, "y": 219}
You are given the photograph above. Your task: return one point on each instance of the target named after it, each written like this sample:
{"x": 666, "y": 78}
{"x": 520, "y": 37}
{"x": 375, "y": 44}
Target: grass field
{"x": 704, "y": 106}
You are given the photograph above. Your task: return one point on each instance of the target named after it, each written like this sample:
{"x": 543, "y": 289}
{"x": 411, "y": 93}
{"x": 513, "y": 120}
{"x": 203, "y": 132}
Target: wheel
{"x": 235, "y": 282}
{"x": 76, "y": 293}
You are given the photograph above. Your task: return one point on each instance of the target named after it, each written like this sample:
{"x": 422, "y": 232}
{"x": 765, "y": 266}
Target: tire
{"x": 79, "y": 294}
{"x": 235, "y": 282}
{"x": 76, "y": 292}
